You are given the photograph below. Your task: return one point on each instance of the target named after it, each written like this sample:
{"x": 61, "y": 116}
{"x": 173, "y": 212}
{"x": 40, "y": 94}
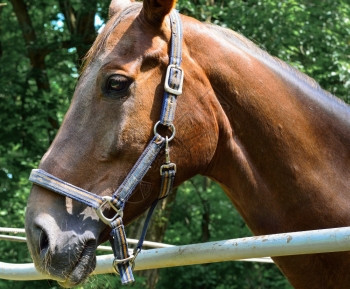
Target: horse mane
{"x": 287, "y": 70}
{"x": 232, "y": 36}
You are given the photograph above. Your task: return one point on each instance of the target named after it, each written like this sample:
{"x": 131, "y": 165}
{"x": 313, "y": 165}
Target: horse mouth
{"x": 84, "y": 265}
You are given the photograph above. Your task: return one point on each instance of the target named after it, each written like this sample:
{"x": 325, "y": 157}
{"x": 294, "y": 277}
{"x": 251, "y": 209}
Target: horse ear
{"x": 155, "y": 10}
{"x": 117, "y": 6}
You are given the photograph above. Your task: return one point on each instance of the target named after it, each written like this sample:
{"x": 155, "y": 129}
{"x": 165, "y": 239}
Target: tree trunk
{"x": 206, "y": 212}
{"x": 80, "y": 24}
{"x": 36, "y": 57}
{"x": 82, "y": 34}
{"x": 1, "y": 6}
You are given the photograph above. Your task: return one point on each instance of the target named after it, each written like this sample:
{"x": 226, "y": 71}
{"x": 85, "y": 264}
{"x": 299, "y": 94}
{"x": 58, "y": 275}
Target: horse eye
{"x": 117, "y": 85}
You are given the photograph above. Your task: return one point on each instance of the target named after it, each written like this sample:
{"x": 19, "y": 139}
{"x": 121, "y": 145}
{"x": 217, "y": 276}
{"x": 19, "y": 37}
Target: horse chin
{"x": 84, "y": 266}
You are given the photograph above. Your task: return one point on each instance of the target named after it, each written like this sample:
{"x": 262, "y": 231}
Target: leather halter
{"x": 172, "y": 88}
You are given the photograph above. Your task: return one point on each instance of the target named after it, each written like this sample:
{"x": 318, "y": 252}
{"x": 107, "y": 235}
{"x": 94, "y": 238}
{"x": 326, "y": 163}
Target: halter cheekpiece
{"x": 123, "y": 262}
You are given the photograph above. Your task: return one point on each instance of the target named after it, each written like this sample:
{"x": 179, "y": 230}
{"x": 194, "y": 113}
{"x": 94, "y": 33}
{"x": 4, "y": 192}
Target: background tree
{"x": 42, "y": 43}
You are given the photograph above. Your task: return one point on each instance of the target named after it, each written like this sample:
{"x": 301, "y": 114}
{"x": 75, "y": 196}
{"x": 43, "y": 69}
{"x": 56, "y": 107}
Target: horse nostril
{"x": 43, "y": 242}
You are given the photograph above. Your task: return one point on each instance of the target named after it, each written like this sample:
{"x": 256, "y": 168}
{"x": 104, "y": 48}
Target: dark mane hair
{"x": 231, "y": 36}
{"x": 247, "y": 45}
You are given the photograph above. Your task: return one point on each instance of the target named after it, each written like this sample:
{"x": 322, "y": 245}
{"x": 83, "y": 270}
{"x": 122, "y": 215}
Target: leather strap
{"x": 125, "y": 190}
{"x": 175, "y": 75}
{"x": 172, "y": 89}
{"x": 122, "y": 259}
{"x": 52, "y": 183}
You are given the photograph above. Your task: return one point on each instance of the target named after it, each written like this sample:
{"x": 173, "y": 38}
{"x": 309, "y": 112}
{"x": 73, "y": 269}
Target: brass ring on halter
{"x": 171, "y": 127}
{"x": 103, "y": 218}
{"x": 130, "y": 259}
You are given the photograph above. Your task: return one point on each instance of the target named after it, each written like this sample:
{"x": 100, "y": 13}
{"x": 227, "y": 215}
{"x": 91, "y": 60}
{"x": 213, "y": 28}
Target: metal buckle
{"x": 167, "y": 88}
{"x": 130, "y": 259}
{"x": 169, "y": 166}
{"x": 99, "y": 212}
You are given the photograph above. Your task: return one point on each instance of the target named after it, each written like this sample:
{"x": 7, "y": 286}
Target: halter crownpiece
{"x": 123, "y": 262}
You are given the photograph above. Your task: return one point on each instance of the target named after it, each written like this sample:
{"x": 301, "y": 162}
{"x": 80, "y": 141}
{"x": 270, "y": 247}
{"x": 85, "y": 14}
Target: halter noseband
{"x": 123, "y": 262}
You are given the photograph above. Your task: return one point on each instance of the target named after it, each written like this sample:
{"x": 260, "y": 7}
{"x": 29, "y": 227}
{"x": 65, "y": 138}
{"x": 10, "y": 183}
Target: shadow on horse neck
{"x": 276, "y": 142}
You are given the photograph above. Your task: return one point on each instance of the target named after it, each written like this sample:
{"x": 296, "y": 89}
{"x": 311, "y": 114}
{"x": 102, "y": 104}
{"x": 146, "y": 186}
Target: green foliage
{"x": 27, "y": 116}
{"x": 312, "y": 35}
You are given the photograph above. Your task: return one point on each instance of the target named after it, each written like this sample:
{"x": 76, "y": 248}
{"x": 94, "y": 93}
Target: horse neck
{"x": 283, "y": 150}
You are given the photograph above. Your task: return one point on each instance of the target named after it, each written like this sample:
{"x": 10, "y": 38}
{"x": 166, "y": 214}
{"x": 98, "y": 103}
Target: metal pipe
{"x": 297, "y": 243}
{"x": 285, "y": 244}
{"x": 12, "y": 230}
{"x": 20, "y": 272}
{"x": 149, "y": 244}
{"x": 13, "y": 238}
{"x": 27, "y": 272}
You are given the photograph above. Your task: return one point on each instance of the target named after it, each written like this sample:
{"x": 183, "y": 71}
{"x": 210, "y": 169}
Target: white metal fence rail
{"x": 296, "y": 243}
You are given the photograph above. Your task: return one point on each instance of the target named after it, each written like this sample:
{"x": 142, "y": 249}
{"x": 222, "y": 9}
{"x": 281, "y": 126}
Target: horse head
{"x": 116, "y": 104}
{"x": 276, "y": 142}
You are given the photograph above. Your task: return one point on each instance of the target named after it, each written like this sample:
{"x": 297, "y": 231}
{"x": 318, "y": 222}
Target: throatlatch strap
{"x": 145, "y": 227}
{"x": 52, "y": 183}
{"x": 168, "y": 177}
{"x": 120, "y": 249}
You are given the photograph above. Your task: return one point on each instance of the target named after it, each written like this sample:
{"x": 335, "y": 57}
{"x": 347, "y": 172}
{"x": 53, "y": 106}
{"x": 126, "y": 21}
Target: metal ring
{"x": 171, "y": 127}
{"x": 99, "y": 212}
{"x": 130, "y": 259}
{"x": 122, "y": 261}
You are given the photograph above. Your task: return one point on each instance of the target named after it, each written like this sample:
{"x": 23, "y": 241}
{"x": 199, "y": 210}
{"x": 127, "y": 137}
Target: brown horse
{"x": 277, "y": 143}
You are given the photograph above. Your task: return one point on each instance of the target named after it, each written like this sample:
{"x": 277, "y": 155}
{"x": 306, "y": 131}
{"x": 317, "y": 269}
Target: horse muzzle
{"x": 66, "y": 255}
